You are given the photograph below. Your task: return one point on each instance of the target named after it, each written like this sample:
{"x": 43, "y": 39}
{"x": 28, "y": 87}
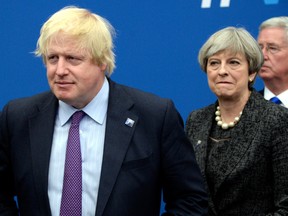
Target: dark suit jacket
{"x": 252, "y": 178}
{"x": 261, "y": 92}
{"x": 138, "y": 160}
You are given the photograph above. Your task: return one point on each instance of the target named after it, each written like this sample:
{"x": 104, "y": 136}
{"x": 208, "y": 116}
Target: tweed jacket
{"x": 252, "y": 178}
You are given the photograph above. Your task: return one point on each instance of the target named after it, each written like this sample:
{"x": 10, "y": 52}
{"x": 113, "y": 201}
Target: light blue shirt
{"x": 92, "y": 134}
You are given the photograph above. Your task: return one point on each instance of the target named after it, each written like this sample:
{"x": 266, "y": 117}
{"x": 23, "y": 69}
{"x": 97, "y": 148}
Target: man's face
{"x": 72, "y": 74}
{"x": 274, "y": 44}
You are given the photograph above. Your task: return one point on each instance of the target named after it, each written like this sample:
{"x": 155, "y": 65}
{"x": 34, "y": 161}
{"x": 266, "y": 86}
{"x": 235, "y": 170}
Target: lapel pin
{"x": 129, "y": 122}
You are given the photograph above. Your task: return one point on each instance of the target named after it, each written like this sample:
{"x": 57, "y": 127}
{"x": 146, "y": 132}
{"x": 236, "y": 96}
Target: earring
{"x": 250, "y": 80}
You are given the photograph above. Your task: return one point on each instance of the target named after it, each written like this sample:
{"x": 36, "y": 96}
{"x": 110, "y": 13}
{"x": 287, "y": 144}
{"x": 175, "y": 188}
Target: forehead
{"x": 62, "y": 40}
{"x": 272, "y": 35}
{"x": 65, "y": 44}
{"x": 228, "y": 54}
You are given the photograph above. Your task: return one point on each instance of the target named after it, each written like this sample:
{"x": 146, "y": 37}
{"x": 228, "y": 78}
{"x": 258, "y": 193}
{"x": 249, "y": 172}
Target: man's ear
{"x": 103, "y": 67}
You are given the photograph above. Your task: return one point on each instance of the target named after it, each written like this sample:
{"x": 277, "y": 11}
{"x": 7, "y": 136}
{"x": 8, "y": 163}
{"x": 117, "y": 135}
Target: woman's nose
{"x": 223, "y": 70}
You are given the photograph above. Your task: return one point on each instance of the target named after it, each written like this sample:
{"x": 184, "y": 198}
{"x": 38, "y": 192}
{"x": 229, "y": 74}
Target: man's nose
{"x": 61, "y": 67}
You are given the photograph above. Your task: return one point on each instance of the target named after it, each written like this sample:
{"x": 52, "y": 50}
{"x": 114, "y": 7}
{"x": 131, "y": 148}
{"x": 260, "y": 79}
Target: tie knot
{"x": 275, "y": 100}
{"x": 77, "y": 117}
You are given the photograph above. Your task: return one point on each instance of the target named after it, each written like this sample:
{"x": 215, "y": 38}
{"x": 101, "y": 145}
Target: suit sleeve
{"x": 183, "y": 190}
{"x": 279, "y": 157}
{"x": 7, "y": 203}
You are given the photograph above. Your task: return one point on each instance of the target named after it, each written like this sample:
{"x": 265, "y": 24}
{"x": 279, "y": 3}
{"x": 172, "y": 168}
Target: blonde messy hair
{"x": 93, "y": 33}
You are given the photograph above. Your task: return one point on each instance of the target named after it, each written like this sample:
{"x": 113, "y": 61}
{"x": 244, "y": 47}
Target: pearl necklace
{"x": 224, "y": 125}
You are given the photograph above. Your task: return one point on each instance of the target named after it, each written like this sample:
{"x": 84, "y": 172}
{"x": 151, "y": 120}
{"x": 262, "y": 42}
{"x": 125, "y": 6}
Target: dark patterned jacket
{"x": 252, "y": 179}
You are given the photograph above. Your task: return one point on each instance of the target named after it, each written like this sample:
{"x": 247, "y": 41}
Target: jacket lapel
{"x": 243, "y": 136}
{"x": 200, "y": 125}
{"x": 200, "y": 143}
{"x": 120, "y": 127}
{"x": 41, "y": 127}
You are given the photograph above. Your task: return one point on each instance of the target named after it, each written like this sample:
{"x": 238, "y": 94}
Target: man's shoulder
{"x": 202, "y": 112}
{"x": 137, "y": 94}
{"x": 33, "y": 98}
{"x": 28, "y": 102}
{"x": 261, "y": 91}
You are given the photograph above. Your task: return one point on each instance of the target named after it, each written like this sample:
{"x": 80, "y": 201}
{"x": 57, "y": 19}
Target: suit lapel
{"x": 238, "y": 147}
{"x": 200, "y": 146}
{"x": 41, "y": 127}
{"x": 243, "y": 136}
{"x": 120, "y": 127}
{"x": 200, "y": 142}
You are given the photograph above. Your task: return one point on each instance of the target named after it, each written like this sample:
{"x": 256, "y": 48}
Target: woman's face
{"x": 228, "y": 75}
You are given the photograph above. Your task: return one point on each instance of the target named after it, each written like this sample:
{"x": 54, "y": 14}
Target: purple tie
{"x": 71, "y": 203}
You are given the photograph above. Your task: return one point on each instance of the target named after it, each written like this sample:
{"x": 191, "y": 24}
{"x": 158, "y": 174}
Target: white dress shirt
{"x": 92, "y": 134}
{"x": 283, "y": 97}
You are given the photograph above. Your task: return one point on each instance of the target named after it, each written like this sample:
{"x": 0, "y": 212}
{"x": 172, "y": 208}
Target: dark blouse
{"x": 218, "y": 146}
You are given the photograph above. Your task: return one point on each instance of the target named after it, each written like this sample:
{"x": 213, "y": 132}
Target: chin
{"x": 63, "y": 97}
{"x": 264, "y": 70}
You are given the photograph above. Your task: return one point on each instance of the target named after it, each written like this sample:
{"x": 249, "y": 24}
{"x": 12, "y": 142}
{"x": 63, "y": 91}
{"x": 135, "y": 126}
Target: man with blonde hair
{"x": 91, "y": 146}
{"x": 273, "y": 39}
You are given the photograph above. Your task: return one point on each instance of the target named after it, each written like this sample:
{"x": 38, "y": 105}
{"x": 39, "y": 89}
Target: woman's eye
{"x": 213, "y": 63}
{"x": 233, "y": 62}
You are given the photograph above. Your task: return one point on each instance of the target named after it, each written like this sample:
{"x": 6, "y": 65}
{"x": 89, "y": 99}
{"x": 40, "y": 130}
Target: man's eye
{"x": 273, "y": 48}
{"x": 71, "y": 58}
{"x": 74, "y": 60}
{"x": 52, "y": 58}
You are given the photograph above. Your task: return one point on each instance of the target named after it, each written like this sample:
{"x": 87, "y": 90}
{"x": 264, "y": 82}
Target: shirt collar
{"x": 96, "y": 109}
{"x": 283, "y": 96}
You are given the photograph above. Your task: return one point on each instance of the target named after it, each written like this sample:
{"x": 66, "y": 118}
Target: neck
{"x": 276, "y": 90}
{"x": 276, "y": 86}
{"x": 231, "y": 108}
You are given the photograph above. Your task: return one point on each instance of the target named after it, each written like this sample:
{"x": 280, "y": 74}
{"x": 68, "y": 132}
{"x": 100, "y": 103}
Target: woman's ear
{"x": 252, "y": 77}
